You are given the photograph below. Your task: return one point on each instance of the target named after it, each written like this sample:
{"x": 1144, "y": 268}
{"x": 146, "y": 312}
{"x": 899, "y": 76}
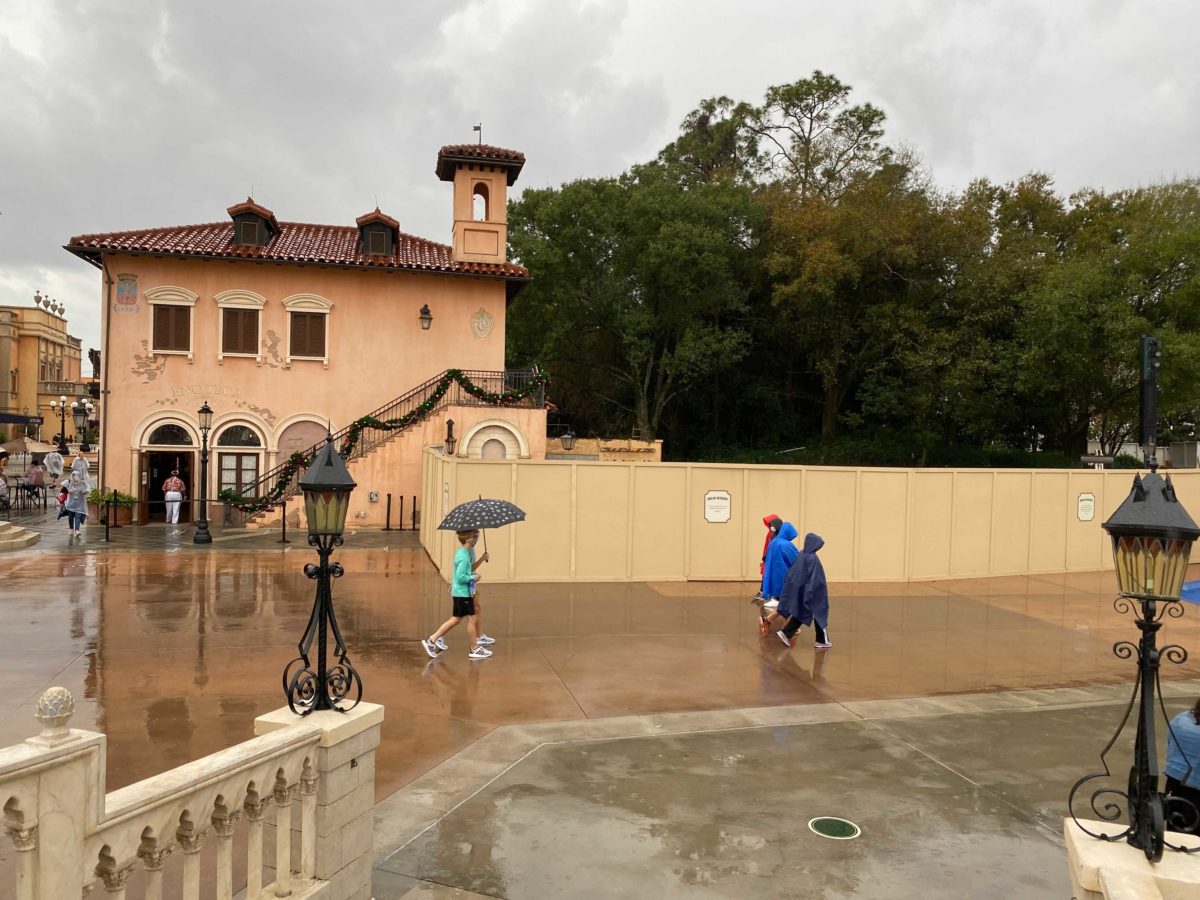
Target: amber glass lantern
{"x": 1152, "y": 536}
{"x": 327, "y": 485}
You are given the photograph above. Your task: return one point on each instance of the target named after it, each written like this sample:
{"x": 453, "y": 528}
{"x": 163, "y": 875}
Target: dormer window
{"x": 249, "y": 231}
{"x": 253, "y": 224}
{"x": 378, "y": 241}
{"x": 378, "y": 232}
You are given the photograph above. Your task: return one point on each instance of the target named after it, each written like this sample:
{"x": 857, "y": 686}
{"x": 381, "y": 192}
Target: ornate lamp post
{"x": 326, "y": 485}
{"x": 1152, "y": 536}
{"x": 81, "y": 412}
{"x": 451, "y": 440}
{"x": 60, "y": 406}
{"x": 202, "y": 535}
{"x": 426, "y": 317}
{"x": 568, "y": 440}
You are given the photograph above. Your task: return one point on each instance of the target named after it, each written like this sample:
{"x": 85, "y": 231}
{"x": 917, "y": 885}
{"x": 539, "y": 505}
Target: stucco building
{"x": 285, "y": 328}
{"x": 39, "y": 362}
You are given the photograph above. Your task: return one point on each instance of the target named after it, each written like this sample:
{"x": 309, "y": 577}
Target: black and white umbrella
{"x": 480, "y": 514}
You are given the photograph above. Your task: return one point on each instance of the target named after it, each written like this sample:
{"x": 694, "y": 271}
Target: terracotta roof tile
{"x": 452, "y": 154}
{"x": 296, "y": 242}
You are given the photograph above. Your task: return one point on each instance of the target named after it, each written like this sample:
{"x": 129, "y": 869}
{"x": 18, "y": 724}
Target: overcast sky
{"x": 120, "y": 114}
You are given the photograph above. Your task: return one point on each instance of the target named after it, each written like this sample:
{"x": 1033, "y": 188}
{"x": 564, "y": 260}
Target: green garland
{"x": 300, "y": 460}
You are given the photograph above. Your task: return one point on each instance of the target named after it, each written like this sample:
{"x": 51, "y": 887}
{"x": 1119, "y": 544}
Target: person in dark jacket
{"x": 805, "y": 596}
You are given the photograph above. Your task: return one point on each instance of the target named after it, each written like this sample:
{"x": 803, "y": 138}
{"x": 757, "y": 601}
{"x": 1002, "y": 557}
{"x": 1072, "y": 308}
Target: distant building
{"x": 39, "y": 362}
{"x": 286, "y": 328}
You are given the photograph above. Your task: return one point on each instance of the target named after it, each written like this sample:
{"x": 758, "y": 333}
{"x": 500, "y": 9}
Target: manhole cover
{"x": 833, "y": 827}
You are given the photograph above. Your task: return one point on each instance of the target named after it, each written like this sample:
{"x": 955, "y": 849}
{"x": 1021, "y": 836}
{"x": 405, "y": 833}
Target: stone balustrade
{"x": 308, "y": 782}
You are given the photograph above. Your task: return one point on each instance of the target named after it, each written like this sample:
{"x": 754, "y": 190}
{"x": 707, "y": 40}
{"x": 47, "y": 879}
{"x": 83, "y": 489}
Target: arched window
{"x": 238, "y": 436}
{"x": 479, "y": 203}
{"x": 170, "y": 436}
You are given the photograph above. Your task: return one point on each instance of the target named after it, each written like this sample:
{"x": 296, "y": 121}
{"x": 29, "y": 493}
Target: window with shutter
{"x": 239, "y": 332}
{"x": 379, "y": 242}
{"x": 248, "y": 234}
{"x": 308, "y": 335}
{"x": 172, "y": 326}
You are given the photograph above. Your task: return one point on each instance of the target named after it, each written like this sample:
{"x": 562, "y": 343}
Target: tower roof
{"x": 452, "y": 156}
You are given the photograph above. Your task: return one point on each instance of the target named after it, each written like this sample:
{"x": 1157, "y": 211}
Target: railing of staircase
{"x": 370, "y": 438}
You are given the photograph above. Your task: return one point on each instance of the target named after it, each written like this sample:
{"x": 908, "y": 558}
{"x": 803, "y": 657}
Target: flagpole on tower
{"x": 479, "y": 130}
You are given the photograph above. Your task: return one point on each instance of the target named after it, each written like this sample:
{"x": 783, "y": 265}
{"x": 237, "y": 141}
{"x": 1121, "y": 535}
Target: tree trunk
{"x": 830, "y": 408}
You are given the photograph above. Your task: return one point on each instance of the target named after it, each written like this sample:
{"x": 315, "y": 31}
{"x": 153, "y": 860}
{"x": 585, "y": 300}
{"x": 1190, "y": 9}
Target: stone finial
{"x": 54, "y": 710}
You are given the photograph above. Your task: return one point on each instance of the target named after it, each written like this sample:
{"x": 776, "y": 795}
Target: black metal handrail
{"x": 371, "y": 438}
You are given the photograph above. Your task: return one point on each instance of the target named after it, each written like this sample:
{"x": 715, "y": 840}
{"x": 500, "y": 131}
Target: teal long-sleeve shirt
{"x": 464, "y": 565}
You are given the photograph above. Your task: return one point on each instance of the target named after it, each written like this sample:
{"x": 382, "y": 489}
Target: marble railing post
{"x": 344, "y": 770}
{"x": 114, "y": 876}
{"x": 256, "y": 808}
{"x": 55, "y": 786}
{"x": 153, "y": 859}
{"x": 25, "y": 841}
{"x": 190, "y": 838}
{"x": 223, "y": 822}
{"x": 308, "y": 826}
{"x": 283, "y": 840}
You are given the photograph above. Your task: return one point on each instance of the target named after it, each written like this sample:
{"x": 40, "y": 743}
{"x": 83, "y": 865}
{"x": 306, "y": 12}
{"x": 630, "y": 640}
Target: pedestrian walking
{"x": 80, "y": 464}
{"x": 805, "y": 596}
{"x": 781, "y": 553}
{"x": 76, "y": 505}
{"x": 174, "y": 492}
{"x": 773, "y": 523}
{"x": 462, "y": 594}
{"x": 54, "y": 465}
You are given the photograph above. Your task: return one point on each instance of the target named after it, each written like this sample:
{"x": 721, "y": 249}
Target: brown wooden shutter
{"x": 162, "y": 327}
{"x": 308, "y": 334}
{"x": 240, "y": 331}
{"x": 171, "y": 327}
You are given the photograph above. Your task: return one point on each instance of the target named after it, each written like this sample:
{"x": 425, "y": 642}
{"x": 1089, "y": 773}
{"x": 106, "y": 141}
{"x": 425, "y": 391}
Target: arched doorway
{"x": 168, "y": 447}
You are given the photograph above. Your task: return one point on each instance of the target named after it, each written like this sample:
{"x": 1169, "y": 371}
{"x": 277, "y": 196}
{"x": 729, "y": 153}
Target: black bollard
{"x": 401, "y": 519}
{"x": 414, "y": 512}
{"x": 283, "y": 539}
{"x": 388, "y": 525}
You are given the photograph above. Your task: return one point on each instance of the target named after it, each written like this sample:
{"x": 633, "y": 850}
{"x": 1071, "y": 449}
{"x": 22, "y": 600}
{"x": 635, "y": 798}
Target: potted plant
{"x": 98, "y": 501}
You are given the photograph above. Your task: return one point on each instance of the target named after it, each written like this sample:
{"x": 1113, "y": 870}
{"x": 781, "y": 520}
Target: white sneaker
{"x": 430, "y": 648}
{"x": 441, "y": 644}
{"x": 479, "y": 653}
{"x": 483, "y": 640}
{"x": 773, "y": 603}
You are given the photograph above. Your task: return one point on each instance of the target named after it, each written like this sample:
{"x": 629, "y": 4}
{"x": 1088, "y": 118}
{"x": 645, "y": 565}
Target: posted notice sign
{"x": 717, "y": 506}
{"x": 1086, "y": 510}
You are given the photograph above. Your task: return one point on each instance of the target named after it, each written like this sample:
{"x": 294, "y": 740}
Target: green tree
{"x": 639, "y": 290}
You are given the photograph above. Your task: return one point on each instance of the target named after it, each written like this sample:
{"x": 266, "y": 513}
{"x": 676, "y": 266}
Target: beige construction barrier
{"x": 611, "y": 521}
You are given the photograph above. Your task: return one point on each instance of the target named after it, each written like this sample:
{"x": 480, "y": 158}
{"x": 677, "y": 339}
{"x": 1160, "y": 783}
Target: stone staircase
{"x": 14, "y": 537}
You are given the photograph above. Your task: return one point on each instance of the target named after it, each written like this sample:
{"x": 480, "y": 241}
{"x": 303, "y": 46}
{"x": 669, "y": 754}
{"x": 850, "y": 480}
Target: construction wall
{"x": 608, "y": 521}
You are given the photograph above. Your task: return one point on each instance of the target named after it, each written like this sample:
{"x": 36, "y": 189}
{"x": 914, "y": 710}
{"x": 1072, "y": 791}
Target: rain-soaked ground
{"x": 172, "y": 650}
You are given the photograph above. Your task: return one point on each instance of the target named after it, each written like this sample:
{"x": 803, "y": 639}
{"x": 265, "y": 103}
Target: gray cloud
{"x": 125, "y": 115}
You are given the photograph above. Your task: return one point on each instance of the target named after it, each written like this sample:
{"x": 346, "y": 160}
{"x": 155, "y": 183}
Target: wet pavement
{"x": 173, "y": 649}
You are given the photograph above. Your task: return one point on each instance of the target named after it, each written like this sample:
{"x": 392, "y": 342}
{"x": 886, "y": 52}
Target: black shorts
{"x": 464, "y": 606}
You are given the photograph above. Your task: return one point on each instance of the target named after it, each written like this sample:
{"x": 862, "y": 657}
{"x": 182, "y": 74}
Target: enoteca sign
{"x": 717, "y": 506}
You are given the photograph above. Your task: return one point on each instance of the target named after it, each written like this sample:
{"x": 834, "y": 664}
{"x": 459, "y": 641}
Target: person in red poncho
{"x": 773, "y": 523}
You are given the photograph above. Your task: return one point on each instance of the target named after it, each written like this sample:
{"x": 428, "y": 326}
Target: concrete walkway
{"x": 172, "y": 649}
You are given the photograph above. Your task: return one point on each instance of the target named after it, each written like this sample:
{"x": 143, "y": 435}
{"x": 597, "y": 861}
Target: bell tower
{"x": 482, "y": 176}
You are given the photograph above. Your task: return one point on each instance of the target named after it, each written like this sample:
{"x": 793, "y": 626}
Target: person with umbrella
{"x": 467, "y": 520}
{"x": 462, "y": 594}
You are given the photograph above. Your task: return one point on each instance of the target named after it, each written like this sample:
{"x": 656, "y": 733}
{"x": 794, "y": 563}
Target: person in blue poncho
{"x": 805, "y": 595}
{"x": 781, "y": 553}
